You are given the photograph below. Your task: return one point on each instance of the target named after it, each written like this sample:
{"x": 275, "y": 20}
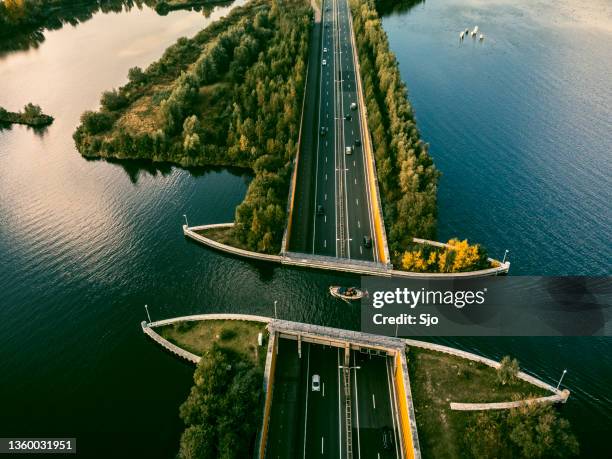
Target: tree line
{"x": 407, "y": 176}
{"x": 457, "y": 256}
{"x": 229, "y": 96}
{"x": 223, "y": 410}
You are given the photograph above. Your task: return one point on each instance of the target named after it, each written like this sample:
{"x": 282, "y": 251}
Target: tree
{"x": 136, "y": 75}
{"x": 507, "y": 371}
{"x": 219, "y": 412}
{"x": 113, "y": 100}
{"x": 32, "y": 111}
{"x": 530, "y": 431}
{"x": 196, "y": 441}
{"x": 537, "y": 432}
{"x": 96, "y": 122}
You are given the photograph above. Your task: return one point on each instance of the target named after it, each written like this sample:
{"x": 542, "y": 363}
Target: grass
{"x": 436, "y": 380}
{"x": 239, "y": 336}
{"x": 224, "y": 235}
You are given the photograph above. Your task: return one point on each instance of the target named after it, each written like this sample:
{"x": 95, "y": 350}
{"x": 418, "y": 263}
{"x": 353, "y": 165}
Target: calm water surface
{"x": 521, "y": 127}
{"x": 85, "y": 244}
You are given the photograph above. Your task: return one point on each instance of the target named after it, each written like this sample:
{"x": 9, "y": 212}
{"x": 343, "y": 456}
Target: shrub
{"x": 507, "y": 371}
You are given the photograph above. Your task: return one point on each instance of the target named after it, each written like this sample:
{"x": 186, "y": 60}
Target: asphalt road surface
{"x": 307, "y": 423}
{"x": 341, "y": 215}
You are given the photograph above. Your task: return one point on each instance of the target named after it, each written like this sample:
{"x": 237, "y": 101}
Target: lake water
{"x": 85, "y": 244}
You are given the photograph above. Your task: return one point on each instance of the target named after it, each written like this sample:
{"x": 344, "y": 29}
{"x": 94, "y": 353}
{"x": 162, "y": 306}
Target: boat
{"x": 461, "y": 35}
{"x": 481, "y": 37}
{"x": 346, "y": 293}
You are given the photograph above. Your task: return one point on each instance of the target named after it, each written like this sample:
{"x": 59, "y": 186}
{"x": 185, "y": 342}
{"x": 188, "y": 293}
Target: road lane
{"x": 322, "y": 433}
{"x": 374, "y": 407}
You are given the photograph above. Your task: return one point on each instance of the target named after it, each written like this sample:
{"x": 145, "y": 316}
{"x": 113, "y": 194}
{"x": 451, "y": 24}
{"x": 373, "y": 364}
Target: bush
{"x": 96, "y": 122}
{"x": 113, "y": 100}
{"x": 530, "y": 431}
{"x": 507, "y": 371}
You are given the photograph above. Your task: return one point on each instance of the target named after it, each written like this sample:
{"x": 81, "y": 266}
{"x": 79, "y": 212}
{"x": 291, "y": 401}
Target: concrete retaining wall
{"x": 562, "y": 398}
{"x": 191, "y": 232}
{"x": 342, "y": 265}
{"x": 221, "y": 316}
{"x": 182, "y": 353}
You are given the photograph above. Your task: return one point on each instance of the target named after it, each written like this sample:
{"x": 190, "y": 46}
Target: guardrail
{"x": 407, "y": 418}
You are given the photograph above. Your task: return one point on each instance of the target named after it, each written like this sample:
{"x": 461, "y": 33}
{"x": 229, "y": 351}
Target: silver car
{"x": 316, "y": 383}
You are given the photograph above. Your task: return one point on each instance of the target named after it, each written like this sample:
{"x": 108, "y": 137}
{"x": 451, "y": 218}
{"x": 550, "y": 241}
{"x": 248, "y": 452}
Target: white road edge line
{"x": 357, "y": 406}
{"x": 394, "y": 412}
{"x": 339, "y": 405}
{"x": 306, "y": 410}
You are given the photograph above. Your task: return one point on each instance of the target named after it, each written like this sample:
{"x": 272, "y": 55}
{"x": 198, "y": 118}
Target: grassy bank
{"x": 234, "y": 335}
{"x": 438, "y": 379}
{"x": 224, "y": 236}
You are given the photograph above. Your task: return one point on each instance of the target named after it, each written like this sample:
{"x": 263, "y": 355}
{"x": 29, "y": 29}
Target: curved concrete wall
{"x": 344, "y": 265}
{"x": 562, "y": 398}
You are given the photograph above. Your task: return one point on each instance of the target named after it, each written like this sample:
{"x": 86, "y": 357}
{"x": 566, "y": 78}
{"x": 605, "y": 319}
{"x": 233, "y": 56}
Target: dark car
{"x": 348, "y": 117}
{"x": 320, "y": 210}
{"x": 387, "y": 438}
{"x": 323, "y": 130}
{"x": 367, "y": 242}
{"x": 357, "y": 142}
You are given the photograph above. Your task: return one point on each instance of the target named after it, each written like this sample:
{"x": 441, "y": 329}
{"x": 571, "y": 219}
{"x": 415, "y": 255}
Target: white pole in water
{"x": 148, "y": 316}
{"x": 186, "y": 222}
{"x": 561, "y": 378}
{"x": 275, "y": 316}
{"x": 505, "y": 254}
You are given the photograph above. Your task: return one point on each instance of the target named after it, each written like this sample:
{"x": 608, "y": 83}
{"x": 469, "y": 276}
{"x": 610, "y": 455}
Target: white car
{"x": 324, "y": 50}
{"x": 349, "y": 150}
{"x": 316, "y": 383}
{"x": 324, "y": 62}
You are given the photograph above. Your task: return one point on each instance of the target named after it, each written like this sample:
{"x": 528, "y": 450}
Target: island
{"x": 32, "y": 115}
{"x": 440, "y": 402}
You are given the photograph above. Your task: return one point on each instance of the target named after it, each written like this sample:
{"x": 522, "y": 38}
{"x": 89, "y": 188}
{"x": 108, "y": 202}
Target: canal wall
{"x": 562, "y": 398}
{"x": 173, "y": 348}
{"x": 336, "y": 264}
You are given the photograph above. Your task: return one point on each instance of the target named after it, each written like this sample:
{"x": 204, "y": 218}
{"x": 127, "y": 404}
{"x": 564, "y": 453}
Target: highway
{"x": 338, "y": 216}
{"x": 307, "y": 423}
